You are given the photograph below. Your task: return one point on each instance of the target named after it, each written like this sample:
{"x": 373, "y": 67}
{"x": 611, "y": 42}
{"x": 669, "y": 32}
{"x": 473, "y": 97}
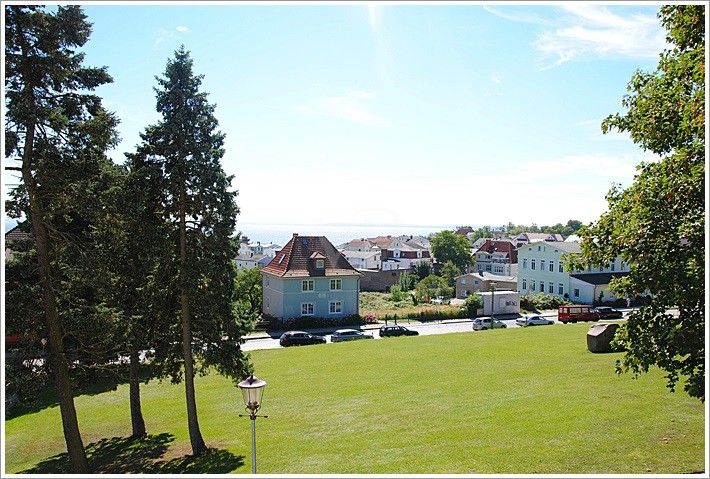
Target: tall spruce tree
{"x": 193, "y": 285}
{"x": 58, "y": 132}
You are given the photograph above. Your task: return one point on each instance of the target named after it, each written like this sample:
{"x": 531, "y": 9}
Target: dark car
{"x": 606, "y": 312}
{"x": 299, "y": 338}
{"x": 397, "y": 331}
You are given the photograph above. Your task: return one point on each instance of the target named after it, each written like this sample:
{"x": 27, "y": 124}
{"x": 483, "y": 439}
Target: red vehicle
{"x": 576, "y": 312}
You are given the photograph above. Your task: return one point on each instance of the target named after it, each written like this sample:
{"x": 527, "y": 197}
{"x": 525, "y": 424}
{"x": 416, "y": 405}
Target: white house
{"x": 363, "y": 259}
{"x": 251, "y": 260}
{"x": 541, "y": 270}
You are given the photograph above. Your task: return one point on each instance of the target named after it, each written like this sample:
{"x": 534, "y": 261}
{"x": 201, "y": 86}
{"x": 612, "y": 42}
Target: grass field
{"x": 515, "y": 401}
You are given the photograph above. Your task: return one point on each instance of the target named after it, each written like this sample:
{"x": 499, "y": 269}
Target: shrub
{"x": 472, "y": 304}
{"x": 396, "y": 293}
{"x": 370, "y": 318}
{"x": 541, "y": 301}
{"x": 309, "y": 322}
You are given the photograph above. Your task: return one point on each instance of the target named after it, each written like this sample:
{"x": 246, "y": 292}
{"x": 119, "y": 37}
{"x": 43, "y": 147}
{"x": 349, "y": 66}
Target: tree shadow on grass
{"x": 127, "y": 455}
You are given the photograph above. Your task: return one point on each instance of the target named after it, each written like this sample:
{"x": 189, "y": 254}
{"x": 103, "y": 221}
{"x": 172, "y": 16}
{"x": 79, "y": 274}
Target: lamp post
{"x": 493, "y": 304}
{"x": 252, "y": 390}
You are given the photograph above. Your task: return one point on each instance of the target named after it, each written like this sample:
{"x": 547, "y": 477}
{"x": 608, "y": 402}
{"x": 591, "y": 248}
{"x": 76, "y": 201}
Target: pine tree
{"x": 59, "y": 134}
{"x": 182, "y": 155}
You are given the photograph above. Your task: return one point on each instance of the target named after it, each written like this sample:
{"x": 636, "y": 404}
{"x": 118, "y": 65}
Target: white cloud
{"x": 593, "y": 30}
{"x": 350, "y": 107}
{"x": 518, "y": 16}
{"x": 164, "y": 35}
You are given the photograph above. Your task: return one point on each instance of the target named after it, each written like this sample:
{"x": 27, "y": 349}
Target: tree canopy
{"x": 447, "y": 246}
{"x": 195, "y": 286}
{"x": 59, "y": 132}
{"x": 657, "y": 224}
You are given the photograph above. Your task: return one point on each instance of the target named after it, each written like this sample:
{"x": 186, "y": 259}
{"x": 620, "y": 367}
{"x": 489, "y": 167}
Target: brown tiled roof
{"x": 505, "y": 246}
{"x": 17, "y": 233}
{"x": 358, "y": 243}
{"x": 298, "y": 259}
{"x": 382, "y": 241}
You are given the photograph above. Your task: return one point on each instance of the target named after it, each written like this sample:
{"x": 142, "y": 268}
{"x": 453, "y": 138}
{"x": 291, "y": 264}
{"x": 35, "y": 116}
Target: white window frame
{"x": 308, "y": 285}
{"x": 552, "y": 266}
{"x": 336, "y": 284}
{"x": 525, "y": 263}
{"x": 335, "y": 307}
{"x": 524, "y": 284}
{"x": 532, "y": 264}
{"x": 308, "y": 309}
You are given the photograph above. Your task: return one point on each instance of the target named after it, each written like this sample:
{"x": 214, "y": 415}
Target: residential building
{"x": 527, "y": 238}
{"x": 495, "y": 256}
{"x": 541, "y": 270}
{"x": 17, "y": 233}
{"x": 246, "y": 248}
{"x": 393, "y": 252}
{"x": 251, "y": 260}
{"x": 471, "y": 283}
{"x": 364, "y": 259}
{"x": 310, "y": 277}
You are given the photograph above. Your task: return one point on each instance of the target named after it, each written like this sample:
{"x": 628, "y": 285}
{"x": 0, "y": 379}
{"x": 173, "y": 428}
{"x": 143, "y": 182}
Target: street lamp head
{"x": 252, "y": 391}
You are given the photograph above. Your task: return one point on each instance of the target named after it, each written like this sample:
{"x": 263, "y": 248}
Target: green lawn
{"x": 521, "y": 400}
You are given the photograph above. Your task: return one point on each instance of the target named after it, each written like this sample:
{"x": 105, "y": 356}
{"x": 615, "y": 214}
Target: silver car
{"x": 348, "y": 335}
{"x": 533, "y": 320}
{"x": 482, "y": 324}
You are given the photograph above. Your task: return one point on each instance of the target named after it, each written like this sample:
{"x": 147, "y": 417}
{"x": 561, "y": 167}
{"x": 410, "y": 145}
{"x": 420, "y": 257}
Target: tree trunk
{"x": 196, "y": 441}
{"x": 137, "y": 422}
{"x": 62, "y": 383}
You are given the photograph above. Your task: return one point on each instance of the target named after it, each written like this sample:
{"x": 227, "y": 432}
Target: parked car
{"x": 397, "y": 331}
{"x": 606, "y": 312}
{"x": 298, "y": 338}
{"x": 576, "y": 312}
{"x": 481, "y": 324}
{"x": 533, "y": 320}
{"x": 348, "y": 335}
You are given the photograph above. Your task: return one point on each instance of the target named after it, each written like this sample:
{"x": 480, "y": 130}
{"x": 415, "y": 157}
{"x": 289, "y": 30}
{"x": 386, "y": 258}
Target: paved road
{"x": 444, "y": 327}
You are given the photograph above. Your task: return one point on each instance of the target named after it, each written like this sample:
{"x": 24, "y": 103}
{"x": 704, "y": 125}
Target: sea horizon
{"x": 337, "y": 233}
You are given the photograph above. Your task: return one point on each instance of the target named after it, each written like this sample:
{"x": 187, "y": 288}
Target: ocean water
{"x": 337, "y": 234}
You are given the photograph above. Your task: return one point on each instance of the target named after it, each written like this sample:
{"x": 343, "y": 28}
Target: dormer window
{"x": 318, "y": 259}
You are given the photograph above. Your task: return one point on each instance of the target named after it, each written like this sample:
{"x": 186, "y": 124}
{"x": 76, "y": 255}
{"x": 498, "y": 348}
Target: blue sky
{"x": 396, "y": 113}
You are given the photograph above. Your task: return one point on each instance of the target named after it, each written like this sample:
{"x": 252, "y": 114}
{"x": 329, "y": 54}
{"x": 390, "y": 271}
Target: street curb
{"x": 370, "y": 327}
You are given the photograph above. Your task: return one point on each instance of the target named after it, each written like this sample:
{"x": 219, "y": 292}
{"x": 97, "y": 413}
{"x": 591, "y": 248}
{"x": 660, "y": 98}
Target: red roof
{"x": 500, "y": 246}
{"x": 300, "y": 255}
